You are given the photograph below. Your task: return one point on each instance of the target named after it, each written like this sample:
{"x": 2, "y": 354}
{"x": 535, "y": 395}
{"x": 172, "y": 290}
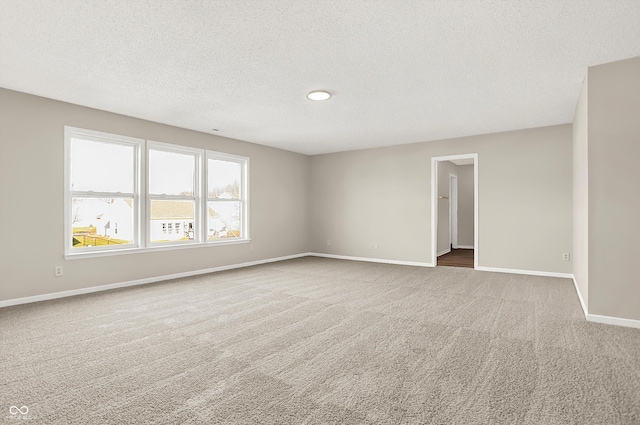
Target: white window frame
{"x": 69, "y": 194}
{"x": 244, "y": 196}
{"x": 142, "y": 198}
{"x": 197, "y": 193}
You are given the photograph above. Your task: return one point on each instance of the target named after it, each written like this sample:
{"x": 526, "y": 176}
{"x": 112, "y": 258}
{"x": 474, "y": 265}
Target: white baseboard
{"x": 62, "y": 294}
{"x": 529, "y": 272}
{"x": 608, "y": 320}
{"x": 446, "y": 251}
{"x": 465, "y": 247}
{"x": 371, "y": 260}
{"x": 584, "y": 306}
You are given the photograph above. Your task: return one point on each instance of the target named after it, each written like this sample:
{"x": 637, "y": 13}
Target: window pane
{"x": 172, "y": 220}
{"x": 223, "y": 220}
{"x": 101, "y": 167}
{"x": 224, "y": 179}
{"x": 101, "y": 222}
{"x": 171, "y": 173}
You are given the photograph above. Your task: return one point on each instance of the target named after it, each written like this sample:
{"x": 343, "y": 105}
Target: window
{"x": 102, "y": 191}
{"x": 226, "y": 205}
{"x": 188, "y": 196}
{"x": 173, "y": 191}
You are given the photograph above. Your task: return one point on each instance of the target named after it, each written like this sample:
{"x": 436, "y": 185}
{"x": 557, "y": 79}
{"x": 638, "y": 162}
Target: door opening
{"x": 454, "y": 210}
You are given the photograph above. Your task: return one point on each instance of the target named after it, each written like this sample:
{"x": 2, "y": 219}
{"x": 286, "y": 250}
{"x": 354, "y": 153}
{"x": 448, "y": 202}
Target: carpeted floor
{"x": 321, "y": 341}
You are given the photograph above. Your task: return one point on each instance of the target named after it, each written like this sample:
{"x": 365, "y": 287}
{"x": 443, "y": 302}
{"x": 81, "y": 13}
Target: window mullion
{"x": 172, "y": 197}
{"x": 92, "y": 194}
{"x": 200, "y": 186}
{"x": 224, "y": 200}
{"x": 138, "y": 199}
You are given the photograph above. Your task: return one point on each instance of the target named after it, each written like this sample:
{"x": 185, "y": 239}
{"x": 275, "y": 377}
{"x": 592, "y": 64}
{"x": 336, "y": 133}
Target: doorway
{"x": 454, "y": 210}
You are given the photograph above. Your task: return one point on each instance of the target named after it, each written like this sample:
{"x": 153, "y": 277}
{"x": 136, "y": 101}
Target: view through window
{"x": 172, "y": 195}
{"x": 224, "y": 201}
{"x": 102, "y": 192}
{"x": 192, "y": 196}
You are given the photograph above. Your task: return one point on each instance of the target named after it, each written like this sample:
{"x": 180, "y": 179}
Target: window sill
{"x": 92, "y": 254}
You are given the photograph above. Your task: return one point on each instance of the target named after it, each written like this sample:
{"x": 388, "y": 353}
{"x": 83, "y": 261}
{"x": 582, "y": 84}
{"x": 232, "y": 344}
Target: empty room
{"x": 320, "y": 212}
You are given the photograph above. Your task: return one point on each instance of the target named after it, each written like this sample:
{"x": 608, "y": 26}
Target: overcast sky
{"x": 105, "y": 167}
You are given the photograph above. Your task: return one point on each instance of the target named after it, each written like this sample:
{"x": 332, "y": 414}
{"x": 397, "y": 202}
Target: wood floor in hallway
{"x": 457, "y": 258}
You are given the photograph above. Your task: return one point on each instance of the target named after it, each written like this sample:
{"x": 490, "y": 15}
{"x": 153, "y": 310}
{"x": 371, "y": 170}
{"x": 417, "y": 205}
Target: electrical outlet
{"x": 57, "y": 271}
{"x": 251, "y": 247}
{"x": 328, "y": 242}
{"x": 373, "y": 245}
{"x": 566, "y": 256}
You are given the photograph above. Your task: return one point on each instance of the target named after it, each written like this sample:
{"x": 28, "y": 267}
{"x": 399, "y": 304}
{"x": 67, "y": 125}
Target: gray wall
{"x": 383, "y": 195}
{"x": 31, "y": 200}
{"x": 614, "y": 193}
{"x": 581, "y": 196}
{"x": 297, "y": 203}
{"x": 465, "y": 205}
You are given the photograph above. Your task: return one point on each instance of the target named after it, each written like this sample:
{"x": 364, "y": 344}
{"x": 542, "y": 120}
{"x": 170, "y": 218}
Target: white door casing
{"x": 453, "y": 210}
{"x": 434, "y": 204}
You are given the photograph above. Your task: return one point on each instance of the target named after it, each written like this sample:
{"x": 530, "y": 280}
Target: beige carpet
{"x": 323, "y": 342}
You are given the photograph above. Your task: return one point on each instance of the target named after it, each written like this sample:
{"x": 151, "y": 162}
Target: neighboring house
{"x": 225, "y": 195}
{"x": 171, "y": 220}
{"x": 117, "y": 221}
{"x": 111, "y": 218}
{"x": 174, "y": 220}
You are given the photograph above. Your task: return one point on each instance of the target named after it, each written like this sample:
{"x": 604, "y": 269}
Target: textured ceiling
{"x": 400, "y": 71}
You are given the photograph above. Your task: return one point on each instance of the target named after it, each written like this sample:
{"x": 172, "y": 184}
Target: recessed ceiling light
{"x": 215, "y": 129}
{"x": 319, "y": 95}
